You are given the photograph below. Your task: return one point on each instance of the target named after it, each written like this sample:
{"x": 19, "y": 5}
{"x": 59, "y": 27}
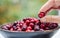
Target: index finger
{"x": 45, "y": 8}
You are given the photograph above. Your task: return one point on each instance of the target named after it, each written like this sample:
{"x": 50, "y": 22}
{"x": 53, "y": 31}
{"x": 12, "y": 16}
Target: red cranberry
{"x": 15, "y": 28}
{"x": 27, "y": 22}
{"x": 28, "y": 30}
{"x": 32, "y": 21}
{"x": 4, "y": 27}
{"x": 21, "y": 24}
{"x": 41, "y": 14}
{"x": 35, "y": 19}
{"x": 36, "y": 28}
{"x": 38, "y": 23}
{"x": 19, "y": 29}
{"x": 47, "y": 24}
{"x": 31, "y": 24}
{"x": 11, "y": 29}
{"x": 53, "y": 25}
{"x": 24, "y": 27}
{"x": 29, "y": 27}
{"x": 8, "y": 25}
{"x": 26, "y": 19}
{"x": 18, "y": 24}
{"x": 42, "y": 26}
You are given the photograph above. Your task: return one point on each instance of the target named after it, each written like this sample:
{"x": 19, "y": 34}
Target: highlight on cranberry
{"x": 29, "y": 25}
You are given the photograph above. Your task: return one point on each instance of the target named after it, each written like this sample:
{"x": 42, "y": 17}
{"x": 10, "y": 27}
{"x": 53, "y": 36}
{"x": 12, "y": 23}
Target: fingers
{"x": 46, "y": 7}
{"x": 54, "y": 19}
{"x": 46, "y": 19}
{"x": 57, "y": 4}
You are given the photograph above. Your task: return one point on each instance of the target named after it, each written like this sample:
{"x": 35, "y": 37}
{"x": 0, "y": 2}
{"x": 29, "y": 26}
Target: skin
{"x": 50, "y": 4}
{"x": 52, "y": 19}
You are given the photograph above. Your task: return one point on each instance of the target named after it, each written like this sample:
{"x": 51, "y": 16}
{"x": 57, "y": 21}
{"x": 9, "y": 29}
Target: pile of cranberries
{"x": 29, "y": 25}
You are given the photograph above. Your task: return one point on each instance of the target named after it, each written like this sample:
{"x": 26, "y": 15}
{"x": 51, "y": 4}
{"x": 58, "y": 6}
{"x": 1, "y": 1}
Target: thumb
{"x": 54, "y": 19}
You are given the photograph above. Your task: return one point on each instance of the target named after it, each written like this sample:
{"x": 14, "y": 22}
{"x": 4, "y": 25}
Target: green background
{"x": 12, "y": 10}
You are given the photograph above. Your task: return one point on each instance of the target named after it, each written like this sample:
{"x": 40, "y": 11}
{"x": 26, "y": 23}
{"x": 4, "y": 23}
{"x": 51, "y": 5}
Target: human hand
{"x": 52, "y": 19}
{"x": 51, "y": 4}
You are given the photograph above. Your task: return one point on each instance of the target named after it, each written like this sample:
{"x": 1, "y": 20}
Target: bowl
{"x": 37, "y": 34}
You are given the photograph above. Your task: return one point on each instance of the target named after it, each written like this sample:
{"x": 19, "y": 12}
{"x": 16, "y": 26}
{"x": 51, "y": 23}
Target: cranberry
{"x": 28, "y": 30}
{"x": 38, "y": 23}
{"x": 19, "y": 29}
{"x": 35, "y": 19}
{"x": 24, "y": 27}
{"x": 36, "y": 28}
{"x": 21, "y": 25}
{"x": 53, "y": 25}
{"x": 42, "y": 26}
{"x": 32, "y": 21}
{"x": 41, "y": 14}
{"x": 11, "y": 29}
{"x": 26, "y": 19}
{"x": 29, "y": 27}
{"x": 18, "y": 24}
{"x": 4, "y": 27}
{"x": 27, "y": 22}
{"x": 21, "y": 22}
{"x": 14, "y": 28}
{"x": 47, "y": 24}
{"x": 31, "y": 24}
{"x": 8, "y": 26}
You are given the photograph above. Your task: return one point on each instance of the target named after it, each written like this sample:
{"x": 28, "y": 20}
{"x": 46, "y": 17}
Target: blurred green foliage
{"x": 12, "y": 10}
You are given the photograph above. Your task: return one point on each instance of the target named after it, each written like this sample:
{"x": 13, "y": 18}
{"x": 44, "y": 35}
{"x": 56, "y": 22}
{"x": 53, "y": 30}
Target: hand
{"x": 51, "y": 4}
{"x": 53, "y": 19}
